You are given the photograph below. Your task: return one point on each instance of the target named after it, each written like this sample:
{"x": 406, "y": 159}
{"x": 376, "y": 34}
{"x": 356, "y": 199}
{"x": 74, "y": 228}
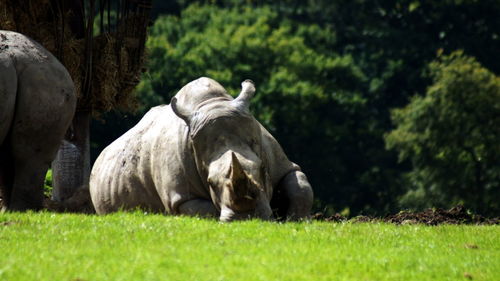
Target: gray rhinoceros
{"x": 37, "y": 104}
{"x": 204, "y": 154}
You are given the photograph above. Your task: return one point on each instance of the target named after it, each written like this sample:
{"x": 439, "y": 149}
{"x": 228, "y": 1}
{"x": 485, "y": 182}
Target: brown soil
{"x": 455, "y": 215}
{"x": 78, "y": 203}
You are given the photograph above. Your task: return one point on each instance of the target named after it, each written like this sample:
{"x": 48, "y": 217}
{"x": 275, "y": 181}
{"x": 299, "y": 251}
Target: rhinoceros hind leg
{"x": 6, "y": 176}
{"x": 27, "y": 191}
{"x": 8, "y": 89}
{"x": 199, "y": 207}
{"x": 45, "y": 105}
{"x": 299, "y": 195}
{"x": 30, "y": 166}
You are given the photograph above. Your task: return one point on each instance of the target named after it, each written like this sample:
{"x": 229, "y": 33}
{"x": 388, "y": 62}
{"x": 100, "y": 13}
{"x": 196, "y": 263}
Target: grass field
{"x": 137, "y": 246}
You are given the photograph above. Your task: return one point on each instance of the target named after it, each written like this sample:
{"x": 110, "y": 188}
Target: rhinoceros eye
{"x": 254, "y": 145}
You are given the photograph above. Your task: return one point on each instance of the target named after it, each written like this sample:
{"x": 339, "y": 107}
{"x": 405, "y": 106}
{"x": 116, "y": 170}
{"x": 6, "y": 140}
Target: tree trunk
{"x": 71, "y": 168}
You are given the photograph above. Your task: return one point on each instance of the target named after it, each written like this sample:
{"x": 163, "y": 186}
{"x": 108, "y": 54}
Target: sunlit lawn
{"x": 137, "y": 246}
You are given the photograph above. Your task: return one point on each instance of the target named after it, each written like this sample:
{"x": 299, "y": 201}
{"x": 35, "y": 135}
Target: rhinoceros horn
{"x": 242, "y": 102}
{"x": 179, "y": 111}
{"x": 237, "y": 173}
{"x": 238, "y": 177}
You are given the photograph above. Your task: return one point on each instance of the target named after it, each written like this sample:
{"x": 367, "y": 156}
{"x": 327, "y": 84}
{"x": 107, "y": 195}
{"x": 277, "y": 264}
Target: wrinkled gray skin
{"x": 204, "y": 154}
{"x": 37, "y": 103}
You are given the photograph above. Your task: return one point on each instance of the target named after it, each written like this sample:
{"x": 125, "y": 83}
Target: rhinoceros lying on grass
{"x": 37, "y": 103}
{"x": 204, "y": 154}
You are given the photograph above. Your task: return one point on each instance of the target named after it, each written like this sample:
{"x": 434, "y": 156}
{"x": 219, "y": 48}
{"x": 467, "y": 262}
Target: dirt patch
{"x": 78, "y": 203}
{"x": 434, "y": 216}
{"x": 455, "y": 215}
{"x": 334, "y": 218}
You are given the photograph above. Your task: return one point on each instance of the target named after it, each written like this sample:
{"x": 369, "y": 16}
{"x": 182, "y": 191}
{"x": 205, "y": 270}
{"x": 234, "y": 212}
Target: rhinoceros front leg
{"x": 298, "y": 192}
{"x": 199, "y": 207}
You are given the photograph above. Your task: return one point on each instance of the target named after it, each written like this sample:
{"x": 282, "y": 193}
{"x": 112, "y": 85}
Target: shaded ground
{"x": 78, "y": 203}
{"x": 455, "y": 215}
{"x": 434, "y": 216}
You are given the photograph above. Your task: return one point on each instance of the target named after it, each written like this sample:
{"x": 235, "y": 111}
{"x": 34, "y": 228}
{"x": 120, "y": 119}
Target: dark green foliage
{"x": 452, "y": 137}
{"x": 327, "y": 73}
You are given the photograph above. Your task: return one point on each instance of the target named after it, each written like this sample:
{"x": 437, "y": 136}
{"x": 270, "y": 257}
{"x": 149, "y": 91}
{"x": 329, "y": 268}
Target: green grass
{"x": 135, "y": 246}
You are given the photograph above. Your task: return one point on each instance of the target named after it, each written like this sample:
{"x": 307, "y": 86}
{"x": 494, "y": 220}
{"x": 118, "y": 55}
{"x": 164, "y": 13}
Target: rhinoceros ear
{"x": 247, "y": 92}
{"x": 179, "y": 111}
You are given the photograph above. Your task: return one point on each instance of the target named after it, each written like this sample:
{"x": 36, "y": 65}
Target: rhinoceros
{"x": 204, "y": 154}
{"x": 37, "y": 104}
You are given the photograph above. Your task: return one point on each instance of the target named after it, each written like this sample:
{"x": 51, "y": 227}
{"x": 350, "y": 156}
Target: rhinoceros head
{"x": 227, "y": 146}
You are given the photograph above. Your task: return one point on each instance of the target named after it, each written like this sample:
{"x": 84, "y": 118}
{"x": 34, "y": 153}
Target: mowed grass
{"x": 137, "y": 246}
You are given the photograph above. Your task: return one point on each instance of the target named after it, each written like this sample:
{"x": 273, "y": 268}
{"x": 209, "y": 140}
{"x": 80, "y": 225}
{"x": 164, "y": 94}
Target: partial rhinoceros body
{"x": 37, "y": 103}
{"x": 204, "y": 154}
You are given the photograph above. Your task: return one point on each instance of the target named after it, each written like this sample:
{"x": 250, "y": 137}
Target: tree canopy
{"x": 451, "y": 137}
{"x": 328, "y": 74}
{"x": 307, "y": 99}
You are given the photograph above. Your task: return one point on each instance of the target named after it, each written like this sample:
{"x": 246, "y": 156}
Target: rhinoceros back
{"x": 122, "y": 176}
{"x": 151, "y": 165}
{"x": 200, "y": 91}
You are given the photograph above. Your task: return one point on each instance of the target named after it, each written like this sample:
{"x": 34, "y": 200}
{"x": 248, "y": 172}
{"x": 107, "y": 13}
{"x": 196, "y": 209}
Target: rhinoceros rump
{"x": 37, "y": 104}
{"x": 204, "y": 154}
